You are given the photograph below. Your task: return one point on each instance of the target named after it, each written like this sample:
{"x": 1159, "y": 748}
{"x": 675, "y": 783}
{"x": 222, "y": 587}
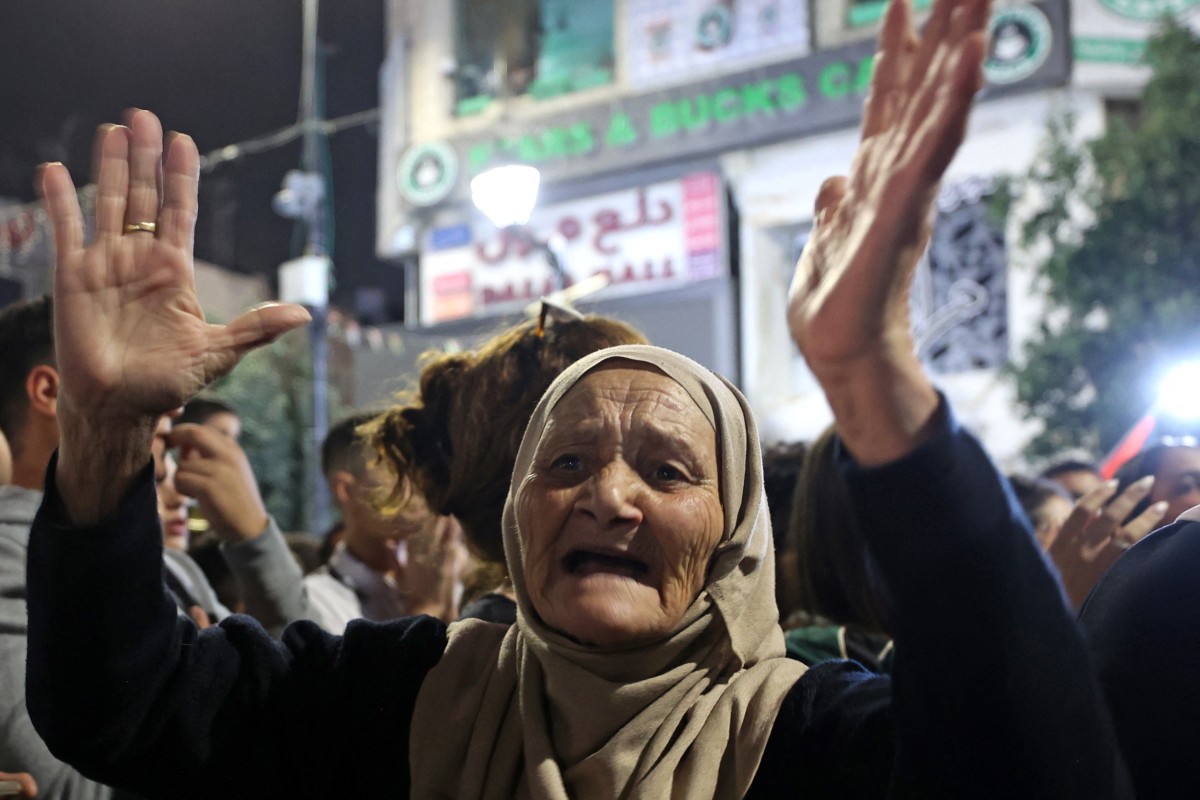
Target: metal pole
{"x": 316, "y": 245}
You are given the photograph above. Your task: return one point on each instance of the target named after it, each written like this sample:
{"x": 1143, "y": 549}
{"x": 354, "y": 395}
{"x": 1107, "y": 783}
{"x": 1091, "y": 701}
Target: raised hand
{"x": 214, "y": 470}
{"x": 434, "y": 563}
{"x": 1095, "y": 535}
{"x": 849, "y": 300}
{"x": 131, "y": 339}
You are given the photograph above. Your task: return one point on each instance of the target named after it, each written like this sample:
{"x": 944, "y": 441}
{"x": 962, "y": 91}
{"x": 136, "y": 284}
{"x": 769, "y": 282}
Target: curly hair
{"x": 455, "y": 440}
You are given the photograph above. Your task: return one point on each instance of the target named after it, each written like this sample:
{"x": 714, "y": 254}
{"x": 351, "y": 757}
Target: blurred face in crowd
{"x": 1078, "y": 482}
{"x": 172, "y": 506}
{"x": 1178, "y": 481}
{"x": 621, "y": 511}
{"x": 357, "y": 495}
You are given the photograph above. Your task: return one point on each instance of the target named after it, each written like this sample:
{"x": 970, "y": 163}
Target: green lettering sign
{"x": 834, "y": 80}
{"x": 620, "y": 131}
{"x": 529, "y": 149}
{"x": 556, "y": 143}
{"x": 792, "y": 94}
{"x": 758, "y": 98}
{"x": 696, "y": 113}
{"x": 478, "y": 157}
{"x": 583, "y": 141}
{"x": 727, "y": 105}
{"x": 663, "y": 120}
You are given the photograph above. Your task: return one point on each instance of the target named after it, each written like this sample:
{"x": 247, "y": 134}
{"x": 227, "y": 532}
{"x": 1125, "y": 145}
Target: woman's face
{"x": 621, "y": 512}
{"x": 1178, "y": 481}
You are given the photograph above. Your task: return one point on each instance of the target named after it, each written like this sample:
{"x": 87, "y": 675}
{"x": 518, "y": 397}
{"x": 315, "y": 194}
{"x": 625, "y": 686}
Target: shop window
{"x": 674, "y": 41}
{"x": 860, "y": 13}
{"x": 535, "y": 48}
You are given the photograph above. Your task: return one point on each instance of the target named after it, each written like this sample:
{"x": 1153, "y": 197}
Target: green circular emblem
{"x": 1021, "y": 42}
{"x": 427, "y": 173}
{"x": 1150, "y": 10}
{"x": 715, "y": 28}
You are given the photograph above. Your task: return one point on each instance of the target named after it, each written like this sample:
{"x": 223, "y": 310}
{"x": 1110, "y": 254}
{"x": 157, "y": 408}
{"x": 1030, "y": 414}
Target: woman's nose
{"x": 612, "y": 497}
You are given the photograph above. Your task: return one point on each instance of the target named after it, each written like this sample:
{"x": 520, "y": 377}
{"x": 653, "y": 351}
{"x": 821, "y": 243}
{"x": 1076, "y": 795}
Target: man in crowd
{"x": 1077, "y": 477}
{"x": 384, "y": 566}
{"x": 28, "y": 404}
{"x": 216, "y": 478}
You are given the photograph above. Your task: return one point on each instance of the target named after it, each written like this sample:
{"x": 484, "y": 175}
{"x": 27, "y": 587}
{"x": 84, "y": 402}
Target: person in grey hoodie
{"x": 28, "y": 398}
{"x": 28, "y": 419}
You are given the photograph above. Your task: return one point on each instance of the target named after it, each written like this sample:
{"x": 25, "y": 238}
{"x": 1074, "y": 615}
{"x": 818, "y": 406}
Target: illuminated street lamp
{"x": 506, "y": 195}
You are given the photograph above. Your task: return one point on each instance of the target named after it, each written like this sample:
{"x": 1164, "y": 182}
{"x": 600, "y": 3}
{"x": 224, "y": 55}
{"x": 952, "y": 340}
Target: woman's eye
{"x": 567, "y": 463}
{"x": 665, "y": 473}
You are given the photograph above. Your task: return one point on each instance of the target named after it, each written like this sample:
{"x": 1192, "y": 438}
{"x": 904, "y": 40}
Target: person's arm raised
{"x": 131, "y": 339}
{"x": 848, "y": 305}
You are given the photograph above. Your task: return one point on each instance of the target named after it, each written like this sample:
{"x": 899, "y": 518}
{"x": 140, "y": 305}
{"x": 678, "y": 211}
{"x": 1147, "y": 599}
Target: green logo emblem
{"x": 1021, "y": 43}
{"x": 1151, "y": 10}
{"x": 427, "y": 173}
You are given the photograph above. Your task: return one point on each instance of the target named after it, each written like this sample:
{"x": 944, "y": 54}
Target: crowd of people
{"x": 564, "y": 566}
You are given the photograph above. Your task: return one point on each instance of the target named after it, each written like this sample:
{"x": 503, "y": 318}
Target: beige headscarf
{"x": 527, "y": 712}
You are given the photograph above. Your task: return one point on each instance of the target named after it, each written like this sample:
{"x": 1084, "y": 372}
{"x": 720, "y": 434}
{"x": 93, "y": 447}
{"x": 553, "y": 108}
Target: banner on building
{"x": 646, "y": 239}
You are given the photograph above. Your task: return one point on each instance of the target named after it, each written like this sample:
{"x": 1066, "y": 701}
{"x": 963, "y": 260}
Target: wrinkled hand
{"x": 1092, "y": 538}
{"x": 432, "y": 570}
{"x": 28, "y": 786}
{"x": 132, "y": 340}
{"x": 848, "y": 307}
{"x": 213, "y": 469}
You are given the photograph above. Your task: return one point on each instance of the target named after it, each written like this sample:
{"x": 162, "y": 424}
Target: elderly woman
{"x": 646, "y": 660}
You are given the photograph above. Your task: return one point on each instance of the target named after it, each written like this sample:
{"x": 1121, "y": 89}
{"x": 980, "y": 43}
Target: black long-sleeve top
{"x": 992, "y": 693}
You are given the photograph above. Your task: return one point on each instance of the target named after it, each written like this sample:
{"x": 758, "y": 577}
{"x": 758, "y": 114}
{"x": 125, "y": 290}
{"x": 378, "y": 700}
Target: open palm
{"x": 131, "y": 338}
{"x": 849, "y": 296}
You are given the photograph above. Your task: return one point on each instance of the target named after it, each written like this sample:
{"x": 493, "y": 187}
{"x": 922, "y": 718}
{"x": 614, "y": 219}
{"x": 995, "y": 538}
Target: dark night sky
{"x": 220, "y": 70}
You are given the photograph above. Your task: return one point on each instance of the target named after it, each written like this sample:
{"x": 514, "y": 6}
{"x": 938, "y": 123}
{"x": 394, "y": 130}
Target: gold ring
{"x": 141, "y": 227}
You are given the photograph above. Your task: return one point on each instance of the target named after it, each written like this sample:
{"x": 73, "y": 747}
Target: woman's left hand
{"x": 848, "y": 305}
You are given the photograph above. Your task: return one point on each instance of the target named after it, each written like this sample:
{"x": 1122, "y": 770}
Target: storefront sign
{"x": 652, "y": 238}
{"x": 1109, "y": 38}
{"x": 785, "y": 100}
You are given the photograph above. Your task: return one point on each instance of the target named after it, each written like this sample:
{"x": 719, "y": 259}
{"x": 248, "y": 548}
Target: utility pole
{"x": 316, "y": 247}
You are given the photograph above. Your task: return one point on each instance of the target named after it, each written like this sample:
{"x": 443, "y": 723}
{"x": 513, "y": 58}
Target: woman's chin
{"x": 610, "y": 612}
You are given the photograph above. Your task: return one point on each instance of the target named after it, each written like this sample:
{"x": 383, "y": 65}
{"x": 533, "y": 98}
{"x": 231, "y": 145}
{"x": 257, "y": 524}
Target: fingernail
{"x": 1143, "y": 483}
{"x": 1160, "y": 507}
{"x": 1110, "y": 485}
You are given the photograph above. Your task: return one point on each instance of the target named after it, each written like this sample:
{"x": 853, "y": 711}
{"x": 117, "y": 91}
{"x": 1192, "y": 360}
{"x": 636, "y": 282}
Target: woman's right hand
{"x": 1093, "y": 537}
{"x": 131, "y": 339}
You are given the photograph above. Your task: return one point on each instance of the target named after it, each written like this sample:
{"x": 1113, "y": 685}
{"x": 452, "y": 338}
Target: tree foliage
{"x": 1120, "y": 225}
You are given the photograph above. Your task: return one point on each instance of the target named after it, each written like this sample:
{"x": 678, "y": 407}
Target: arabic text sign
{"x": 646, "y": 239}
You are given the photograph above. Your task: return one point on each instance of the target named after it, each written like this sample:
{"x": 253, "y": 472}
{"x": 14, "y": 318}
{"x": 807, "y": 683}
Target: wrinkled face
{"x": 1178, "y": 481}
{"x": 621, "y": 512}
